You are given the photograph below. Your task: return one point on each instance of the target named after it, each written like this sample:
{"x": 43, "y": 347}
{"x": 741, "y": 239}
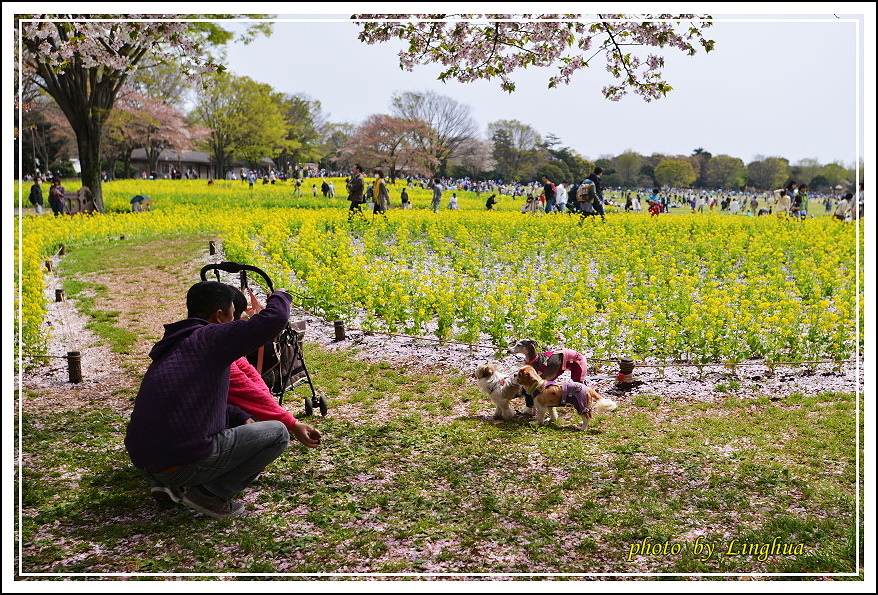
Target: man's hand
{"x": 305, "y": 434}
{"x": 255, "y": 306}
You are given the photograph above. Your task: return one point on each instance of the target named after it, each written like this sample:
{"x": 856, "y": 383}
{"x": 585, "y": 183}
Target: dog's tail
{"x": 604, "y": 405}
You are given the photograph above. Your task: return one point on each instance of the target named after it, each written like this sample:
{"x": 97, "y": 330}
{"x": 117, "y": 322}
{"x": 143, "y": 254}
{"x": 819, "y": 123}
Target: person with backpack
{"x": 598, "y": 204}
{"x": 587, "y": 197}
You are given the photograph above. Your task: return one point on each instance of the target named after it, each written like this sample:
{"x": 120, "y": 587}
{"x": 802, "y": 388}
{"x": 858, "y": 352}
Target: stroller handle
{"x": 235, "y": 267}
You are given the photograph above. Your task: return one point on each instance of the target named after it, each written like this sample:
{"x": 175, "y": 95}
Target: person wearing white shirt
{"x": 561, "y": 197}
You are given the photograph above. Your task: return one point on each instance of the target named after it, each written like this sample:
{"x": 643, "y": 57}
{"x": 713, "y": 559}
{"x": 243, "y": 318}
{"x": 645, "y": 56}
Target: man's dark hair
{"x": 206, "y": 297}
{"x": 599, "y": 170}
{"x": 358, "y": 167}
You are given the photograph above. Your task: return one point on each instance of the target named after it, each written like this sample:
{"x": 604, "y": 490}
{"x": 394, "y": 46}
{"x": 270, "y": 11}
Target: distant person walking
{"x": 561, "y": 197}
{"x": 754, "y": 205}
{"x": 56, "y": 197}
{"x": 36, "y": 196}
{"x": 598, "y": 205}
{"x": 549, "y": 193}
{"x": 437, "y": 194}
{"x": 842, "y": 208}
{"x": 355, "y": 187}
{"x": 380, "y": 195}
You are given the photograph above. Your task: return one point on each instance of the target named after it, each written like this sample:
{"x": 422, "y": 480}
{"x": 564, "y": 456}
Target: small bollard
{"x": 62, "y": 249}
{"x": 122, "y": 237}
{"x": 212, "y": 247}
{"x": 74, "y": 366}
{"x": 339, "y": 330}
{"x": 626, "y": 370}
{"x": 49, "y": 265}
{"x": 243, "y": 279}
{"x": 59, "y": 295}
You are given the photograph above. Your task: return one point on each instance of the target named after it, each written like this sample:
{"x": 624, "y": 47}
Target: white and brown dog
{"x": 500, "y": 388}
{"x": 548, "y": 395}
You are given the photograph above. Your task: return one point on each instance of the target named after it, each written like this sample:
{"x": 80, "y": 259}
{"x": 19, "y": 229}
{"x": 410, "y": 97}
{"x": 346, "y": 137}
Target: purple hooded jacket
{"x": 182, "y": 402}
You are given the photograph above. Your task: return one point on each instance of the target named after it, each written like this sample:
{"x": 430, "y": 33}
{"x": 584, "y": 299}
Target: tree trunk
{"x": 88, "y": 139}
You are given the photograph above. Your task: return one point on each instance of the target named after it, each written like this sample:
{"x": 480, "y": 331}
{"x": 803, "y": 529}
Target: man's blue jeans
{"x": 239, "y": 456}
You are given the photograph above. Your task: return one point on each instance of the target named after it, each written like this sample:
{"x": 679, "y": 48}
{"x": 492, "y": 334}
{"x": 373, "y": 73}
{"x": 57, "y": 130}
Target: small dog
{"x": 501, "y": 388}
{"x": 551, "y": 364}
{"x": 548, "y": 395}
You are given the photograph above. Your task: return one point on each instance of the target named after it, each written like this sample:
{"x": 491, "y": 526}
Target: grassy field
{"x": 415, "y": 477}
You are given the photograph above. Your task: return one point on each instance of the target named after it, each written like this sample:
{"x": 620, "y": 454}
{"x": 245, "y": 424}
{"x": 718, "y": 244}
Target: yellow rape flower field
{"x": 415, "y": 478}
{"x": 693, "y": 288}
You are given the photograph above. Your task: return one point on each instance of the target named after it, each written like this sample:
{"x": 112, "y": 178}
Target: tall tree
{"x": 335, "y": 137}
{"x": 806, "y": 170}
{"x": 452, "y": 122}
{"x": 767, "y": 173}
{"x": 724, "y": 171}
{"x": 245, "y": 121}
{"x": 628, "y": 167}
{"x": 837, "y": 174}
{"x": 306, "y": 126}
{"x": 675, "y": 173}
{"x": 469, "y": 48}
{"x": 699, "y": 160}
{"x": 394, "y": 143}
{"x": 475, "y": 157}
{"x": 83, "y": 64}
{"x": 572, "y": 167}
{"x": 518, "y": 149}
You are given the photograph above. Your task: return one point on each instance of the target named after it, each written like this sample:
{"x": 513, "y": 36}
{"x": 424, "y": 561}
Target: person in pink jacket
{"x": 248, "y": 391}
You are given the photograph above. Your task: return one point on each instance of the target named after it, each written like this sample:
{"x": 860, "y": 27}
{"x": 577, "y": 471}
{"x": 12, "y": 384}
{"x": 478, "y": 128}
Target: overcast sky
{"x": 774, "y": 86}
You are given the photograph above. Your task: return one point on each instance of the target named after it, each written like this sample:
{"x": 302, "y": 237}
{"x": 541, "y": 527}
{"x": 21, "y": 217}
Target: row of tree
{"x": 121, "y": 83}
{"x": 423, "y": 134}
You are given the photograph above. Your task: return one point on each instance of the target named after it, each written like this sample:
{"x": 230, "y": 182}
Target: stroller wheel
{"x": 322, "y": 404}
{"x": 309, "y": 408}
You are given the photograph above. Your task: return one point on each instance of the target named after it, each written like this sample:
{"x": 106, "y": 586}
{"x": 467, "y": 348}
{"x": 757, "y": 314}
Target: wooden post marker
{"x": 62, "y": 250}
{"x": 243, "y": 279}
{"x": 626, "y": 370}
{"x": 59, "y": 295}
{"x": 49, "y": 265}
{"x": 339, "y": 330}
{"x": 212, "y": 247}
{"x": 74, "y": 366}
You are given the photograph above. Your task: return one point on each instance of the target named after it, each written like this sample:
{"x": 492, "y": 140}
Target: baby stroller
{"x": 281, "y": 362}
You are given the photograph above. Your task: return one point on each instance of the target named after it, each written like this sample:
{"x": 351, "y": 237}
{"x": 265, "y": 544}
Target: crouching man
{"x": 183, "y": 434}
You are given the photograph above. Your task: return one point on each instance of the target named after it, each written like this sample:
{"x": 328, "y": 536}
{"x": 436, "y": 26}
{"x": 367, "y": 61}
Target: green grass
{"x": 405, "y": 493}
